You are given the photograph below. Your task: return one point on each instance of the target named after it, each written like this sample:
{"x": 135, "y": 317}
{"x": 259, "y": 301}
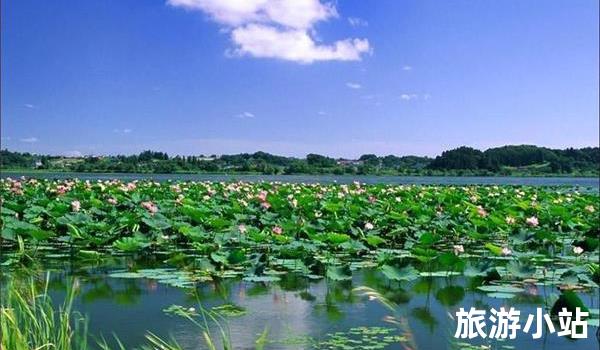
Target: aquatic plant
{"x": 258, "y": 231}
{"x": 29, "y": 320}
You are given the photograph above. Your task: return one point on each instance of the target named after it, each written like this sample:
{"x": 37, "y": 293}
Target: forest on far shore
{"x": 523, "y": 160}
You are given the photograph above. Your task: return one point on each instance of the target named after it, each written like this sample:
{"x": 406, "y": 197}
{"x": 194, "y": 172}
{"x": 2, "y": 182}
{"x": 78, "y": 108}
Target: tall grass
{"x": 29, "y": 320}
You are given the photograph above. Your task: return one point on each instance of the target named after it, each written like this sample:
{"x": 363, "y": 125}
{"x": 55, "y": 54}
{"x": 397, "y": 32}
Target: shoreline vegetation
{"x": 522, "y": 160}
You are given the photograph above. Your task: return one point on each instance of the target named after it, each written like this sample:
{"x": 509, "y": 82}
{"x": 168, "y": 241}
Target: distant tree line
{"x": 506, "y": 160}
{"x": 515, "y": 158}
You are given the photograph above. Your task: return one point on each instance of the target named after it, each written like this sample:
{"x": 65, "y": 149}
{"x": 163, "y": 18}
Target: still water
{"x": 584, "y": 182}
{"x": 302, "y": 314}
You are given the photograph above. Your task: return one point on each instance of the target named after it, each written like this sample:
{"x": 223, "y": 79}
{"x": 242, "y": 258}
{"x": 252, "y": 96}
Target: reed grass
{"x": 29, "y": 320}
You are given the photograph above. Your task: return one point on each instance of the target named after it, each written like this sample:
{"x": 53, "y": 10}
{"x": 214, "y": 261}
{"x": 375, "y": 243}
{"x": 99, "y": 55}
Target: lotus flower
{"x": 262, "y": 196}
{"x": 481, "y": 212}
{"x": 459, "y": 249}
{"x": 277, "y": 230}
{"x": 532, "y": 221}
{"x": 150, "y": 207}
{"x": 577, "y": 250}
{"x": 75, "y": 205}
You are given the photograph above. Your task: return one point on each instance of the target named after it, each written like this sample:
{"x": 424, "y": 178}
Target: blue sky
{"x": 338, "y": 78}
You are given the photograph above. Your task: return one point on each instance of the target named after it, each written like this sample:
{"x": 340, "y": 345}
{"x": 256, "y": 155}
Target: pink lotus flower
{"x": 532, "y": 221}
{"x": 369, "y": 226}
{"x": 277, "y": 230}
{"x": 242, "y": 228}
{"x": 262, "y": 196}
{"x": 481, "y": 212}
{"x": 150, "y": 207}
{"x": 112, "y": 201}
{"x": 75, "y": 205}
{"x": 577, "y": 250}
{"x": 265, "y": 205}
{"x": 16, "y": 188}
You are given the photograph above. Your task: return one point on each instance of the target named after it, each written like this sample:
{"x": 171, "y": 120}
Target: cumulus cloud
{"x": 357, "y": 22}
{"x": 29, "y": 139}
{"x": 245, "y": 115}
{"x": 122, "y": 131}
{"x": 29, "y": 105}
{"x": 353, "y": 85}
{"x": 278, "y": 29}
{"x": 406, "y": 67}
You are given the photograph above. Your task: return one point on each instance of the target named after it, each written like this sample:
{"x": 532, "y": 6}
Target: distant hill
{"x": 519, "y": 157}
{"x": 524, "y": 160}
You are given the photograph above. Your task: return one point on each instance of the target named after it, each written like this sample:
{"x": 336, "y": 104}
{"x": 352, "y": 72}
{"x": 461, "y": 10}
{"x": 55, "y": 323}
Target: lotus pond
{"x": 302, "y": 266}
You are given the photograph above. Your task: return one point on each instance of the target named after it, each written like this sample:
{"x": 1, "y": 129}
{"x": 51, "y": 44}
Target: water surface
{"x": 299, "y": 313}
{"x": 584, "y": 182}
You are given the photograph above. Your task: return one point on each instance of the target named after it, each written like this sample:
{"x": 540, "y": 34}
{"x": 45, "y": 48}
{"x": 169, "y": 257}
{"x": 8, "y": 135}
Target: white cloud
{"x": 245, "y": 115}
{"x": 29, "y": 105}
{"x": 278, "y": 29}
{"x": 407, "y": 68}
{"x": 352, "y": 85}
{"x": 29, "y": 139}
{"x": 408, "y": 97}
{"x": 122, "y": 131}
{"x": 322, "y": 113}
{"x": 357, "y": 22}
{"x": 293, "y": 45}
{"x": 296, "y": 14}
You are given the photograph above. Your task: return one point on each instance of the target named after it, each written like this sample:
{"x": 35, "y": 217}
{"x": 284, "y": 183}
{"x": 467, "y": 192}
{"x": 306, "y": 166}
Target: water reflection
{"x": 297, "y": 311}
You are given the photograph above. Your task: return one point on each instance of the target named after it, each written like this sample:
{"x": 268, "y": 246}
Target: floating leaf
{"x": 339, "y": 273}
{"x": 500, "y": 289}
{"x": 407, "y": 273}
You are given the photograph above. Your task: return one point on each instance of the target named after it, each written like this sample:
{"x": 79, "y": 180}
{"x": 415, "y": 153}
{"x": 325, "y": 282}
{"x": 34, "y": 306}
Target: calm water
{"x": 593, "y": 183}
{"x": 294, "y": 309}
